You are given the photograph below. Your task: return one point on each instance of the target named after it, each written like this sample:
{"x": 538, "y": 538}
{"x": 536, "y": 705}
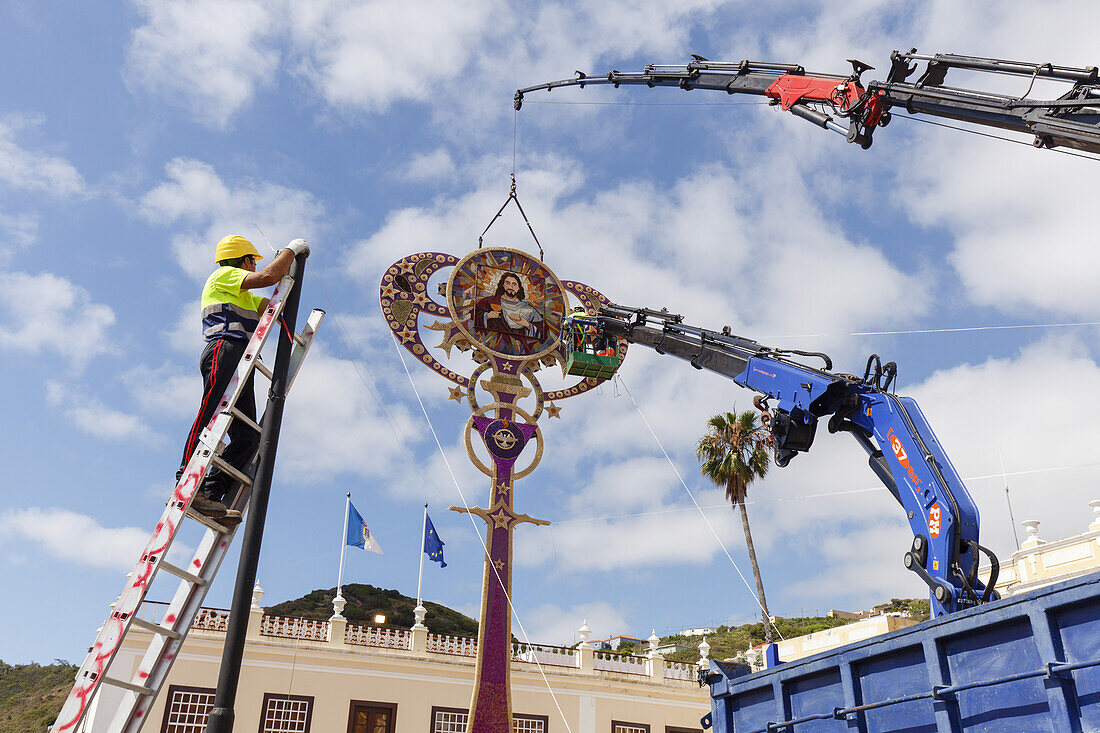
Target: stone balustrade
{"x": 338, "y": 633}
{"x": 294, "y": 628}
{"x": 378, "y": 636}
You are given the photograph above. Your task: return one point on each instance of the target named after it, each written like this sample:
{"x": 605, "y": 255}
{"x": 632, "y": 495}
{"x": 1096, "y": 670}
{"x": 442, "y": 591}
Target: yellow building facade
{"x": 307, "y": 676}
{"x": 1040, "y": 562}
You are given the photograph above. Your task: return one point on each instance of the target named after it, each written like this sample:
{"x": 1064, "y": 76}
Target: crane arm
{"x": 843, "y": 104}
{"x": 903, "y": 452}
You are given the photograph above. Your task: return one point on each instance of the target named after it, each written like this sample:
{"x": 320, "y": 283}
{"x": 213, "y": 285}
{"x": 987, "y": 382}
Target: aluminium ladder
{"x": 140, "y": 690}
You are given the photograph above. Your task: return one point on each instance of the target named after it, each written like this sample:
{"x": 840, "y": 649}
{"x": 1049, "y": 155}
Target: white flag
{"x": 357, "y": 533}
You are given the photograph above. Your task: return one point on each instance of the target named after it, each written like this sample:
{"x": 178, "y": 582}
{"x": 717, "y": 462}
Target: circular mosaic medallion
{"x": 507, "y": 302}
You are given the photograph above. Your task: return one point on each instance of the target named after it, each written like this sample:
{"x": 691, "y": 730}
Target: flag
{"x": 357, "y": 534}
{"x": 433, "y": 546}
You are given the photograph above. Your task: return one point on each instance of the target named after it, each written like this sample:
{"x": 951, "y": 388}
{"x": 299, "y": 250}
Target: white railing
{"x": 681, "y": 671}
{"x": 378, "y": 636}
{"x": 208, "y": 619}
{"x": 211, "y": 619}
{"x": 462, "y": 646}
{"x": 557, "y": 656}
{"x": 217, "y": 620}
{"x": 294, "y": 628}
{"x": 625, "y": 663}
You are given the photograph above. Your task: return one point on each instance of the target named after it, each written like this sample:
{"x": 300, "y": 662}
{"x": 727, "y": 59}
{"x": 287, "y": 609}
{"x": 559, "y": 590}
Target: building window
{"x": 529, "y": 723}
{"x": 617, "y": 726}
{"x": 286, "y": 714}
{"x": 186, "y": 709}
{"x": 454, "y": 720}
{"x": 674, "y": 729}
{"x": 372, "y": 717}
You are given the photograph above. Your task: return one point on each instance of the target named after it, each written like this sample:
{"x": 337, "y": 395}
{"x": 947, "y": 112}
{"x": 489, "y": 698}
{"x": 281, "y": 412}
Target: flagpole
{"x": 343, "y": 546}
{"x": 423, "y": 536}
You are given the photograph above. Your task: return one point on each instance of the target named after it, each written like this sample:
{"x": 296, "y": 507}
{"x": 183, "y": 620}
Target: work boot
{"x": 231, "y": 519}
{"x": 203, "y": 504}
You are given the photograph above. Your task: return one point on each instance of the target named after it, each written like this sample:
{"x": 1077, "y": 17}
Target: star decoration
{"x": 420, "y": 299}
{"x": 553, "y": 410}
{"x": 499, "y": 564}
{"x": 504, "y": 490}
{"x": 407, "y": 336}
{"x": 507, "y": 366}
{"x": 501, "y": 518}
{"x": 388, "y": 291}
{"x": 456, "y": 394}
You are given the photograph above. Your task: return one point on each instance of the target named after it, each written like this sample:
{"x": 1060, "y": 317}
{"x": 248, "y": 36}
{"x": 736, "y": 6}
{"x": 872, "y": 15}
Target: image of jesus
{"x": 507, "y": 311}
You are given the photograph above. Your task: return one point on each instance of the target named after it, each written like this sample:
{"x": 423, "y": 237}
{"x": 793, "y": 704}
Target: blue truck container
{"x": 1026, "y": 663}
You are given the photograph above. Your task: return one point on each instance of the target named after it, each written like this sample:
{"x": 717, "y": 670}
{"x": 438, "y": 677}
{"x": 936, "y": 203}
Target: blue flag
{"x": 433, "y": 546}
{"x": 357, "y": 534}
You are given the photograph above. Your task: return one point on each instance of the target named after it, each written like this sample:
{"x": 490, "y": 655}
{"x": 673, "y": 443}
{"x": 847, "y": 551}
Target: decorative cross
{"x": 508, "y": 308}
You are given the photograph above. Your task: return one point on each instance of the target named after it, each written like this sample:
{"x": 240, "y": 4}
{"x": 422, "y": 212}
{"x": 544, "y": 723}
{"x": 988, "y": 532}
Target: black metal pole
{"x": 221, "y": 716}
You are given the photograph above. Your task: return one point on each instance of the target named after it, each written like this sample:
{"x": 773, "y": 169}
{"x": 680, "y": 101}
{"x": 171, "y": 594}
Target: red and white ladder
{"x": 140, "y": 690}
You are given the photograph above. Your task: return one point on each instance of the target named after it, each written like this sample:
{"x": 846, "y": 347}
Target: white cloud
{"x": 97, "y": 419}
{"x": 196, "y": 195}
{"x": 17, "y": 231}
{"x": 428, "y": 167}
{"x": 208, "y": 56}
{"x": 214, "y": 57}
{"x": 369, "y": 55}
{"x": 176, "y": 394}
{"x": 30, "y": 170}
{"x": 1020, "y": 241}
{"x": 660, "y": 539}
{"x": 333, "y": 426}
{"x": 185, "y": 334}
{"x": 47, "y": 312}
{"x": 552, "y": 624}
{"x": 56, "y": 531}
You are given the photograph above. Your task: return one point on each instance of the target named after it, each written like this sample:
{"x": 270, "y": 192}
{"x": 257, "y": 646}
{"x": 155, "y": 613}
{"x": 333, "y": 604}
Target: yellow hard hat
{"x": 234, "y": 246}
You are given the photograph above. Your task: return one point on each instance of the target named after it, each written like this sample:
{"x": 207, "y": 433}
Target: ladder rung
{"x": 238, "y": 415}
{"x": 154, "y": 628}
{"x": 263, "y": 370}
{"x": 208, "y": 522}
{"x": 136, "y": 689}
{"x": 224, "y": 466}
{"x": 300, "y": 339}
{"x": 182, "y": 574}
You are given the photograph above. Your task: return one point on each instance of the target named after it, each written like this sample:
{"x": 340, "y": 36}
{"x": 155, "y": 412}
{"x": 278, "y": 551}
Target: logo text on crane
{"x": 902, "y": 456}
{"x": 935, "y": 521}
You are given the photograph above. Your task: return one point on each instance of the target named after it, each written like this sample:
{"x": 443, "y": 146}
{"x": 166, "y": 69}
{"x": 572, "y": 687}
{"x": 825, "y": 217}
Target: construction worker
{"x": 577, "y": 326}
{"x": 230, "y": 313}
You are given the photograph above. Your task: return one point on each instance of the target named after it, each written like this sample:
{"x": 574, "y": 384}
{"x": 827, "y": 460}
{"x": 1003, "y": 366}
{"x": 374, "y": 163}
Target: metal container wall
{"x": 1022, "y": 664}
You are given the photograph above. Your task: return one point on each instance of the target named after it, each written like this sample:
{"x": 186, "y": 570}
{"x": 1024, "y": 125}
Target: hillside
{"x": 364, "y": 601}
{"x": 729, "y": 640}
{"x": 31, "y": 695}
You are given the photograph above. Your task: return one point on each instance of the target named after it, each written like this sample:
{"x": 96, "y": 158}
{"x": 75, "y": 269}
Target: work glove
{"x": 298, "y": 246}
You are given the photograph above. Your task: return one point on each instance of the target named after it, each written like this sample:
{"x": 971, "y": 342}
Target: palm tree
{"x": 734, "y": 453}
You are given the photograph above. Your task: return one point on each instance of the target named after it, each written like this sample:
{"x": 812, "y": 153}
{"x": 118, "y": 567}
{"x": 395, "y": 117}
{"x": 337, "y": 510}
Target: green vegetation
{"x": 918, "y": 608}
{"x": 364, "y": 601}
{"x": 730, "y": 640}
{"x": 31, "y": 695}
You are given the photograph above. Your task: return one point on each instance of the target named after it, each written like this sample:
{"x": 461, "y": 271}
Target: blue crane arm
{"x": 903, "y": 451}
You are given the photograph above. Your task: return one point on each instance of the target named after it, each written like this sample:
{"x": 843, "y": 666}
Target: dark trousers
{"x": 218, "y": 363}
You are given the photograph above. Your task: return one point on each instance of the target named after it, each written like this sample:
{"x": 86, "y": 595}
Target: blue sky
{"x": 135, "y": 135}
